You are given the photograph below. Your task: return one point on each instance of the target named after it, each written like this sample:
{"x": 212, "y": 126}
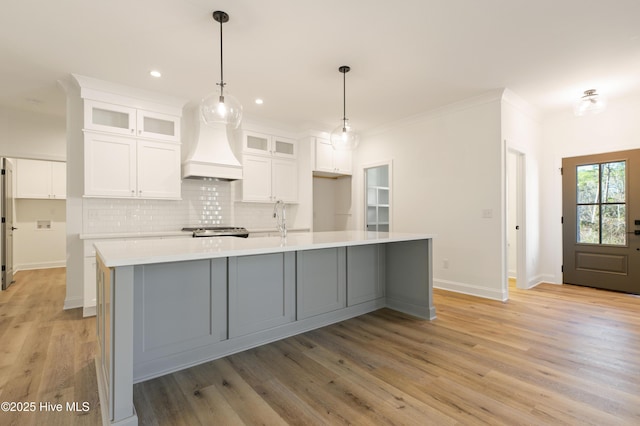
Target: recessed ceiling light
{"x": 259, "y": 101}
{"x": 155, "y": 73}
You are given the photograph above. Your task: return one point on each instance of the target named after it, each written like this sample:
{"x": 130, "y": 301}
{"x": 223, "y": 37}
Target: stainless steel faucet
{"x": 280, "y": 214}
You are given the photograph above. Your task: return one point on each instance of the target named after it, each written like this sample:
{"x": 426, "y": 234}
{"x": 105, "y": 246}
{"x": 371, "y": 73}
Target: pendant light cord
{"x": 344, "y": 100}
{"x": 221, "y": 84}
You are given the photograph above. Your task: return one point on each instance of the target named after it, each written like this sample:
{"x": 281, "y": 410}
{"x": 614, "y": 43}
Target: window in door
{"x": 601, "y": 203}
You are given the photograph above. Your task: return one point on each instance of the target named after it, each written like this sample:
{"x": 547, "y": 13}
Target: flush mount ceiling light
{"x": 220, "y": 107}
{"x": 590, "y": 103}
{"x": 343, "y": 138}
{"x": 155, "y": 73}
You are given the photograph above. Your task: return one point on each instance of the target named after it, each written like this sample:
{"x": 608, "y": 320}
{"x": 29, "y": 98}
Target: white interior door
{"x": 7, "y": 223}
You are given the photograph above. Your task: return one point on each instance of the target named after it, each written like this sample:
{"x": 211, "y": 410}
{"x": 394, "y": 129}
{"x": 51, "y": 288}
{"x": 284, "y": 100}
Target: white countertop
{"x": 160, "y": 234}
{"x": 145, "y": 251}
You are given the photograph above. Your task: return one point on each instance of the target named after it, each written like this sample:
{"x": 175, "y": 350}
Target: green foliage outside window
{"x": 601, "y": 209}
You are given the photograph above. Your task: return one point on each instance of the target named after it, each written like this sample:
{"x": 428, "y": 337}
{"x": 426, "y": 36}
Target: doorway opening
{"x": 516, "y": 220}
{"x": 377, "y": 190}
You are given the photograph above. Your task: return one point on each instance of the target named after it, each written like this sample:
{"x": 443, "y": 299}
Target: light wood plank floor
{"x": 563, "y": 355}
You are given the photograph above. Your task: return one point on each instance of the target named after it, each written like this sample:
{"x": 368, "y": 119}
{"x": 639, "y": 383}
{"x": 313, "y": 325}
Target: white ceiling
{"x": 406, "y": 56}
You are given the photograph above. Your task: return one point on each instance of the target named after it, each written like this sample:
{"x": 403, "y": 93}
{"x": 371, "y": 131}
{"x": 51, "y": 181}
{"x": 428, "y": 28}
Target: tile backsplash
{"x": 204, "y": 202}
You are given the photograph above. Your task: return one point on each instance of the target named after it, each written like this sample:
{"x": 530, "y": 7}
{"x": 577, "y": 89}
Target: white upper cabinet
{"x": 109, "y": 166}
{"x": 123, "y": 120}
{"x": 158, "y": 170}
{"x": 126, "y": 167}
{"x": 41, "y": 179}
{"x": 262, "y": 144}
{"x": 130, "y": 152}
{"x": 154, "y": 125}
{"x": 270, "y": 168}
{"x": 330, "y": 161}
{"x": 267, "y": 180}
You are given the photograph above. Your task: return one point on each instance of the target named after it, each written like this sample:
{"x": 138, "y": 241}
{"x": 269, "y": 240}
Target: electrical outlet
{"x": 445, "y": 264}
{"x": 487, "y": 213}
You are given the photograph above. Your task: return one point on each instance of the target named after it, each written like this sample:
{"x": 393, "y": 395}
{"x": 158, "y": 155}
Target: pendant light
{"x": 590, "y": 103}
{"x": 220, "y": 107}
{"x": 343, "y": 138}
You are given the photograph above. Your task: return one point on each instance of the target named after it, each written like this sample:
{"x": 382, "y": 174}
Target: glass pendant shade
{"x": 591, "y": 103}
{"x": 217, "y": 108}
{"x": 343, "y": 138}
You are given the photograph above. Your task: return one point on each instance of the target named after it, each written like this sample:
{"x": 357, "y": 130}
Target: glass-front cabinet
{"x": 276, "y": 146}
{"x": 112, "y": 118}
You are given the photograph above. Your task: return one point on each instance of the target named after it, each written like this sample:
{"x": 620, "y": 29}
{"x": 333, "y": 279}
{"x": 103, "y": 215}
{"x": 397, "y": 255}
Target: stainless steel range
{"x": 217, "y": 231}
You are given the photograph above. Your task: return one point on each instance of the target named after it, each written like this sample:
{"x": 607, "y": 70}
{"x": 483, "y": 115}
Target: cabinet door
{"x": 284, "y": 180}
{"x": 261, "y": 292}
{"x": 256, "y": 180}
{"x": 89, "y": 284}
{"x": 109, "y": 166}
{"x": 256, "y": 143}
{"x": 324, "y": 156}
{"x": 158, "y": 126}
{"x": 365, "y": 273}
{"x": 59, "y": 180}
{"x": 110, "y": 118}
{"x": 342, "y": 162}
{"x": 321, "y": 281}
{"x": 33, "y": 179}
{"x": 158, "y": 170}
{"x": 283, "y": 147}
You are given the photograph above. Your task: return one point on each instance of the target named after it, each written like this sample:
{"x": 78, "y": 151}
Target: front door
{"x": 601, "y": 216}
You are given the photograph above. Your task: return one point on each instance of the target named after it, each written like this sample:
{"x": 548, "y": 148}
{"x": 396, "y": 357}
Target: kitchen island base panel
{"x": 408, "y": 269}
{"x": 104, "y": 408}
{"x": 402, "y": 272}
{"x": 148, "y": 370}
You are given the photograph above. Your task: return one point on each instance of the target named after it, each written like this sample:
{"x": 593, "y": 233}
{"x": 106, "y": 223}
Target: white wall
{"x": 447, "y": 174}
{"x": 25, "y": 134}
{"x": 324, "y": 204}
{"x": 564, "y": 135}
{"x": 35, "y": 248}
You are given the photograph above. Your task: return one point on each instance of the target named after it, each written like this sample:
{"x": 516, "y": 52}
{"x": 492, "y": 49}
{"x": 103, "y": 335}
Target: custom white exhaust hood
{"x": 210, "y": 154}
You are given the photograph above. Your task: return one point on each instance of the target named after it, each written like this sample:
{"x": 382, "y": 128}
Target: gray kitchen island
{"x": 166, "y": 305}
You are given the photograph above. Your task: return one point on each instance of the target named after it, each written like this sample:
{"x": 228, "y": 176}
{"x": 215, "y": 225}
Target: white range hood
{"x": 210, "y": 154}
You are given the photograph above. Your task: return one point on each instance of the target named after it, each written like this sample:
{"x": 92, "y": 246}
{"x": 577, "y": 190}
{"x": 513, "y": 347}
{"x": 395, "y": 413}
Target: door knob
{"x": 13, "y": 228}
{"x": 517, "y": 227}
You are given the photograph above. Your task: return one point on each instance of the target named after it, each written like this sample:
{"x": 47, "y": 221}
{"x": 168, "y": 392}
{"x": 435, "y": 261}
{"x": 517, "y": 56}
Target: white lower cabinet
{"x": 267, "y": 179}
{"x": 321, "y": 281}
{"x": 261, "y": 292}
{"x": 124, "y": 167}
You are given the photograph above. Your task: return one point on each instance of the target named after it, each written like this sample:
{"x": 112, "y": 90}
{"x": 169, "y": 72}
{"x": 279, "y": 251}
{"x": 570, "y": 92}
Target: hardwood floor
{"x": 46, "y": 353}
{"x": 563, "y": 355}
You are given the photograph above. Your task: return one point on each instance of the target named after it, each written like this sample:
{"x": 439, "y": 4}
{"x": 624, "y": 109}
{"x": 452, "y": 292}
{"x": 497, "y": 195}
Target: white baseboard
{"x": 73, "y": 303}
{"x": 39, "y": 265}
{"x": 471, "y": 289}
